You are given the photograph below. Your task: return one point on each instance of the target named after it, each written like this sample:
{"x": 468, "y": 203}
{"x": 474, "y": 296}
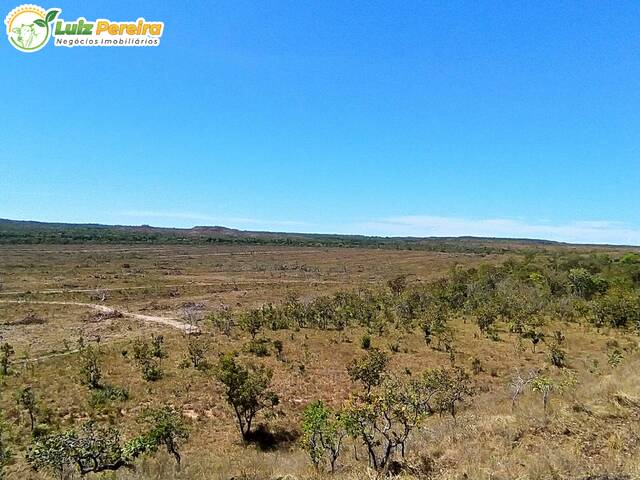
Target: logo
{"x": 29, "y": 28}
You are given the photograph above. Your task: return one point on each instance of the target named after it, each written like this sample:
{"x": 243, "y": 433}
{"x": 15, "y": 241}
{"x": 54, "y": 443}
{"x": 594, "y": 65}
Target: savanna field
{"x": 134, "y": 361}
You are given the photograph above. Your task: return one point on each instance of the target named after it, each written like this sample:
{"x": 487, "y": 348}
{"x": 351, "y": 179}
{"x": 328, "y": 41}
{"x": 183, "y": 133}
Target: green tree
{"x": 197, "y": 348}
{"x": 370, "y": 369}
{"x": 279, "y": 346}
{"x": 544, "y": 385}
{"x": 557, "y": 356}
{"x": 398, "y": 284}
{"x": 246, "y": 390}
{"x": 384, "y": 419}
{"x": 90, "y": 372}
{"x": 252, "y": 322}
{"x": 584, "y": 284}
{"x": 447, "y": 388}
{"x": 94, "y": 449}
{"x": 27, "y": 400}
{"x": 156, "y": 346}
{"x": 435, "y": 324}
{"x": 618, "y": 308}
{"x": 223, "y": 319}
{"x": 486, "y": 317}
{"x": 149, "y": 359}
{"x": 91, "y": 450}
{"x": 323, "y": 434}
{"x": 166, "y": 427}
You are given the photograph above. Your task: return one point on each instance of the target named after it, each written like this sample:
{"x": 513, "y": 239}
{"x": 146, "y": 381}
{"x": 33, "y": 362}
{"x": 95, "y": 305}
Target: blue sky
{"x": 392, "y": 118}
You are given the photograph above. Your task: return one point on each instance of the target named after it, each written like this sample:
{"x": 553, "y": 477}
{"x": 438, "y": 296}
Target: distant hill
{"x": 14, "y": 232}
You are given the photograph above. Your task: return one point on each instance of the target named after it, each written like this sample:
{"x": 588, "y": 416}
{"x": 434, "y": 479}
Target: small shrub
{"x": 557, "y": 356}
{"x": 6, "y": 352}
{"x": 365, "y": 341}
{"x": 102, "y": 396}
{"x": 197, "y": 348}
{"x": 279, "y": 346}
{"x": 476, "y": 366}
{"x": 615, "y": 358}
{"x": 90, "y": 372}
{"x": 26, "y": 399}
{"x": 146, "y": 355}
{"x": 5, "y": 452}
{"x": 258, "y": 347}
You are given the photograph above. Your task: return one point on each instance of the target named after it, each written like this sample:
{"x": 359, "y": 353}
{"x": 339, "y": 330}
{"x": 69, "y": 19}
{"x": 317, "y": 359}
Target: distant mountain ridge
{"x": 35, "y": 232}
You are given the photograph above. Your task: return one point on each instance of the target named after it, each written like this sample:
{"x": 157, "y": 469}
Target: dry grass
{"x": 590, "y": 428}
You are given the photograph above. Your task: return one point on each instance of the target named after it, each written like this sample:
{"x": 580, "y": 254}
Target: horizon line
{"x": 388, "y": 237}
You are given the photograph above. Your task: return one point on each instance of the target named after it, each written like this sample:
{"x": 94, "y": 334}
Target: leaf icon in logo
{"x": 51, "y": 14}
{"x": 39, "y": 22}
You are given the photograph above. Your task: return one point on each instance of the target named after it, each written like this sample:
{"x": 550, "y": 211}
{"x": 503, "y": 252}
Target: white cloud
{"x": 591, "y": 231}
{"x": 600, "y": 231}
{"x": 144, "y": 215}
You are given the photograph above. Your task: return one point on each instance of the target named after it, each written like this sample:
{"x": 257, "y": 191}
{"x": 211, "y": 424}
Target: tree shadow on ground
{"x": 272, "y": 439}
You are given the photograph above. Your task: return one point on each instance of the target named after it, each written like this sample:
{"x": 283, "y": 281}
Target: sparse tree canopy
{"x": 148, "y": 355}
{"x": 26, "y": 399}
{"x": 94, "y": 449}
{"x": 165, "y": 428}
{"x": 323, "y": 433}
{"x": 370, "y": 369}
{"x": 446, "y": 389}
{"x": 91, "y": 450}
{"x": 252, "y": 322}
{"x": 90, "y": 372}
{"x": 384, "y": 419}
{"x": 246, "y": 390}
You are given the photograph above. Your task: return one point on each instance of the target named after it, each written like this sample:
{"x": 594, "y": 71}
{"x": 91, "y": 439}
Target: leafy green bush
{"x": 258, "y": 347}
{"x": 618, "y": 308}
{"x": 148, "y": 356}
{"x": 102, "y": 396}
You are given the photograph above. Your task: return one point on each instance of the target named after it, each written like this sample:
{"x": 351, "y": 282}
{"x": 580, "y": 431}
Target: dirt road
{"x": 170, "y": 322}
